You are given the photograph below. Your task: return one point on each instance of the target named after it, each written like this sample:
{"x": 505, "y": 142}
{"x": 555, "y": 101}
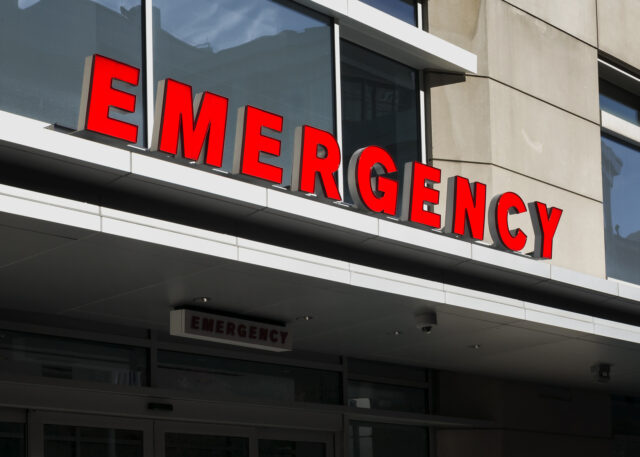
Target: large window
{"x": 621, "y": 191}
{"x": 621, "y": 174}
{"x": 66, "y": 358}
{"x": 379, "y": 105}
{"x": 70, "y": 441}
{"x": 375, "y": 385}
{"x": 368, "y": 439}
{"x": 233, "y": 379}
{"x": 274, "y": 55}
{"x": 43, "y": 45}
{"x": 12, "y": 440}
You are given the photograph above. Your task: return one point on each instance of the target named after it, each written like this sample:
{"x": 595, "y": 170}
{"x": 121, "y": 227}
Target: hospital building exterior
{"x": 319, "y": 228}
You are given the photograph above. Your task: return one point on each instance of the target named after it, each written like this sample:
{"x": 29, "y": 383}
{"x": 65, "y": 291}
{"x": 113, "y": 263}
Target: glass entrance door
{"x": 12, "y": 433}
{"x": 200, "y": 440}
{"x": 183, "y": 439}
{"x": 285, "y": 443}
{"x": 78, "y": 435}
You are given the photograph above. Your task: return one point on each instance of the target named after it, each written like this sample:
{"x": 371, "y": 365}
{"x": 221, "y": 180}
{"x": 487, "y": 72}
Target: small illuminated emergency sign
{"x": 228, "y": 330}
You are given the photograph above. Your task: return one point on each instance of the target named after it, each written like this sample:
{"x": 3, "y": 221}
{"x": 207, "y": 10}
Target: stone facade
{"x": 529, "y": 121}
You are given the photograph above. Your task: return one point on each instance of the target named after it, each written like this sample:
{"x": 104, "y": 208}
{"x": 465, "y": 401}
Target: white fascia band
{"x": 40, "y": 206}
{"x": 29, "y": 140}
{"x": 386, "y": 34}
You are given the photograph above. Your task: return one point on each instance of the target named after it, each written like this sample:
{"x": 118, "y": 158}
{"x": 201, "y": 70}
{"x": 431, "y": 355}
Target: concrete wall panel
{"x": 536, "y": 444}
{"x": 576, "y": 17}
{"x": 476, "y": 443}
{"x": 618, "y": 29}
{"x": 579, "y": 241}
{"x": 463, "y": 23}
{"x": 541, "y": 141}
{"x": 460, "y": 118}
{"x": 522, "y": 51}
{"x": 480, "y": 120}
{"x": 542, "y": 61}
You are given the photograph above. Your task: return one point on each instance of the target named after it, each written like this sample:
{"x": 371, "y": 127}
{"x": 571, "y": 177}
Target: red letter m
{"x": 174, "y": 129}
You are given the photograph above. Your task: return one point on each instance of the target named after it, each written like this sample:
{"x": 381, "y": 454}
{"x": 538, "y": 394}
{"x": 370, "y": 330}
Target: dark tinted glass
{"x": 280, "y": 448}
{"x": 69, "y": 441}
{"x": 386, "y": 370}
{"x": 382, "y": 440}
{"x": 12, "y": 440}
{"x": 384, "y": 396}
{"x": 621, "y": 192}
{"x": 402, "y": 9}
{"x": 274, "y": 55}
{"x": 245, "y": 380}
{"x": 625, "y": 415}
{"x": 617, "y": 101}
{"x": 43, "y": 45}
{"x": 379, "y": 105}
{"x": 187, "y": 445}
{"x": 65, "y": 358}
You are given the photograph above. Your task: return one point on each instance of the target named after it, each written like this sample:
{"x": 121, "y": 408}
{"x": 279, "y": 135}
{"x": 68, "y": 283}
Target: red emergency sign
{"x": 195, "y": 128}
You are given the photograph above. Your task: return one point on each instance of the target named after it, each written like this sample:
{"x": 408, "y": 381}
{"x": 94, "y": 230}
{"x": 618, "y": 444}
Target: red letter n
{"x": 466, "y": 207}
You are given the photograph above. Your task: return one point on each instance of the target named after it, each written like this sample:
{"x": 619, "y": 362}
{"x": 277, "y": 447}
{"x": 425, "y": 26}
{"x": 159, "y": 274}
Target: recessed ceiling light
{"x": 475, "y": 346}
{"x": 397, "y": 333}
{"x": 307, "y": 317}
{"x": 201, "y": 299}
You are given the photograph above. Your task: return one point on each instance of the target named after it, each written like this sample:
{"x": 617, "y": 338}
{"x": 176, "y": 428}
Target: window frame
{"x": 613, "y": 126}
{"x": 335, "y": 23}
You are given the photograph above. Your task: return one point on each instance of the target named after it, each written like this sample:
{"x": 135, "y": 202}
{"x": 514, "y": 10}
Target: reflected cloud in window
{"x": 620, "y": 178}
{"x": 243, "y": 22}
{"x": 274, "y": 55}
{"x": 402, "y": 9}
{"x": 43, "y": 46}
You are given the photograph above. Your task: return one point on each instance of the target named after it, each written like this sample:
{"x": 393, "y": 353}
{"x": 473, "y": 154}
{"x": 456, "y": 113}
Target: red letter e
{"x": 98, "y": 96}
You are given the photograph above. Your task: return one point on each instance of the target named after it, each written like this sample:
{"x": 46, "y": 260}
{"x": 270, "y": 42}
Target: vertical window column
{"x": 380, "y": 106}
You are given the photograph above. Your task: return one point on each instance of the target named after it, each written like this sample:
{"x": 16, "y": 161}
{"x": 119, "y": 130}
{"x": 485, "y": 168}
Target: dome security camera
{"x": 426, "y": 321}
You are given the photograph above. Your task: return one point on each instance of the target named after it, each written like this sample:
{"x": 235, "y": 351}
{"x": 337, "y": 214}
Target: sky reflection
{"x": 245, "y": 21}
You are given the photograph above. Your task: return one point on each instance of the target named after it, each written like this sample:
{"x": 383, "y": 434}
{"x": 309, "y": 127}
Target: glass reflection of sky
{"x": 625, "y": 188}
{"x": 245, "y": 20}
{"x": 402, "y": 9}
{"x": 114, "y": 5}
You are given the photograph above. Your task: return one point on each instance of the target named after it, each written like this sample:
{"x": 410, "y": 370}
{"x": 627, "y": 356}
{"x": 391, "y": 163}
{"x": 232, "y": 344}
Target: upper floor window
{"x": 274, "y": 55}
{"x": 43, "y": 46}
{"x": 66, "y": 358}
{"x": 380, "y": 100}
{"x": 405, "y": 10}
{"x": 247, "y": 380}
{"x": 619, "y": 102}
{"x": 621, "y": 172}
{"x": 620, "y": 178}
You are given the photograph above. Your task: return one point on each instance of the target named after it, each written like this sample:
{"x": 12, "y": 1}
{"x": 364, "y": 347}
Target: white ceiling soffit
{"x": 85, "y": 219}
{"x": 385, "y": 34}
{"x": 29, "y": 143}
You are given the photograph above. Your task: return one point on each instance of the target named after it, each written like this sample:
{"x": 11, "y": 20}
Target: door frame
{"x": 160, "y": 427}
{"x": 252, "y": 433}
{"x": 38, "y": 419}
{"x": 328, "y": 438}
{"x": 153, "y": 431}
